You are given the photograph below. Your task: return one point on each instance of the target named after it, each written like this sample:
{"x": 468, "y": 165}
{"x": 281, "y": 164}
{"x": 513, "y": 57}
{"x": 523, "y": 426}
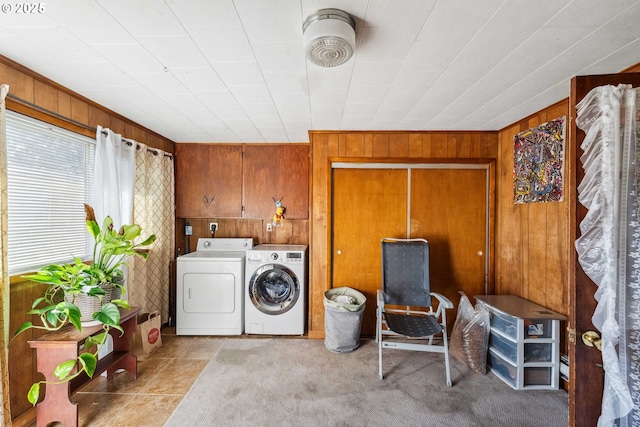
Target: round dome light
{"x": 329, "y": 37}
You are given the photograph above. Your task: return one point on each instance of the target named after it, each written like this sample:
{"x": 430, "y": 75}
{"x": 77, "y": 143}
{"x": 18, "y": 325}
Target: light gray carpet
{"x": 298, "y": 382}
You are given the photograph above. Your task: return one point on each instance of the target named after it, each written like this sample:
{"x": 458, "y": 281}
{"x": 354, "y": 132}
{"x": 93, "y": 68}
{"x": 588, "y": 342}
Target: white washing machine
{"x": 210, "y": 287}
{"x": 276, "y": 293}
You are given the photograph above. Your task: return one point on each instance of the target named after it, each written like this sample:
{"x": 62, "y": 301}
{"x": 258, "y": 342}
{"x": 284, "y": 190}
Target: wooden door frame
{"x": 583, "y": 412}
{"x": 488, "y": 164}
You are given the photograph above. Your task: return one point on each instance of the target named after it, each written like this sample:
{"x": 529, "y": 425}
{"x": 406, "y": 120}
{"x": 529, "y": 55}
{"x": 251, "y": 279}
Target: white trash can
{"x": 343, "y": 310}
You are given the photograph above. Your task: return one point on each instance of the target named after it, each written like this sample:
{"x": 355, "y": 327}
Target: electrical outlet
{"x": 269, "y": 227}
{"x": 213, "y": 226}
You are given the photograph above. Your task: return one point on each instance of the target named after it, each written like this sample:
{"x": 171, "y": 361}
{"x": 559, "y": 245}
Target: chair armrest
{"x": 444, "y": 301}
{"x": 380, "y": 298}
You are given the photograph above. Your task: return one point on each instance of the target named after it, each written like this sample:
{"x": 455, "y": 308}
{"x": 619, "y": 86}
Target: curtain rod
{"x": 130, "y": 143}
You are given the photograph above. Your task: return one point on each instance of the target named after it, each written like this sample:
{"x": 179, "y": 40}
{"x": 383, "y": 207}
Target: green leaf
{"x": 23, "y": 328}
{"x": 89, "y": 363}
{"x": 34, "y": 394}
{"x": 95, "y": 340}
{"x": 93, "y": 228}
{"x": 149, "y": 241}
{"x": 64, "y": 369}
{"x": 122, "y": 303}
{"x": 74, "y": 316}
{"x": 108, "y": 314}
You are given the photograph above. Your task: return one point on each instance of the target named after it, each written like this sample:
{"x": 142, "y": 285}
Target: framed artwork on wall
{"x": 538, "y": 163}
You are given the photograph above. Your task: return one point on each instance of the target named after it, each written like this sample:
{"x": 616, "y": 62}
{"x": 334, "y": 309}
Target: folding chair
{"x": 405, "y": 282}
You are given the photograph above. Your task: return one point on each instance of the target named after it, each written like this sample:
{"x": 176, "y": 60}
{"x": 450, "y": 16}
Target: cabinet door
{"x": 368, "y": 205}
{"x": 276, "y": 172}
{"x": 208, "y": 180}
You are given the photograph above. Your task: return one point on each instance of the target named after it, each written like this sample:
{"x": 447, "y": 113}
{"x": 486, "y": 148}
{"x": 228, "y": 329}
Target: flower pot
{"x": 90, "y": 304}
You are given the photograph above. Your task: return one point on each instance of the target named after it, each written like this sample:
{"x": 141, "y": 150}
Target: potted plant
{"x": 97, "y": 284}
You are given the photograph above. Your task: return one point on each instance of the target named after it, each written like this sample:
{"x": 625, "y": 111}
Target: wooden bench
{"x": 56, "y": 347}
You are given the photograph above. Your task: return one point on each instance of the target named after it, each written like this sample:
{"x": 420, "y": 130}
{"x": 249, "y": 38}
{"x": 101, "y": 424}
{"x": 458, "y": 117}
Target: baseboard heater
{"x": 564, "y": 367}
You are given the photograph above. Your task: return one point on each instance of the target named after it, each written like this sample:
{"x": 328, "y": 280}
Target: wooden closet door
{"x": 368, "y": 204}
{"x": 449, "y": 209}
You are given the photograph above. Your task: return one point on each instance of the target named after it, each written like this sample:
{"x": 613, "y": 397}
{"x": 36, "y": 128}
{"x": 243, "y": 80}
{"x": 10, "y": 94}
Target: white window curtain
{"x": 114, "y": 177}
{"x": 149, "y": 281}
{"x": 608, "y": 248}
{"x": 5, "y": 409}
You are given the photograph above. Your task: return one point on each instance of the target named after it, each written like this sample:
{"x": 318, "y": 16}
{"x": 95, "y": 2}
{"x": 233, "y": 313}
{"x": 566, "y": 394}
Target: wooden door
{"x": 368, "y": 205}
{"x": 449, "y": 209}
{"x": 208, "y": 180}
{"x": 276, "y": 172}
{"x": 586, "y": 373}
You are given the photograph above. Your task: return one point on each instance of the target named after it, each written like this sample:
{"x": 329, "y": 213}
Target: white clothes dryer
{"x": 276, "y": 293}
{"x": 210, "y": 287}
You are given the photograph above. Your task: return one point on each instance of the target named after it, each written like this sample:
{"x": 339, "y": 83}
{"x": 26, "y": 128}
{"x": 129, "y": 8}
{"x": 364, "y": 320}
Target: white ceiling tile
{"x": 199, "y": 79}
{"x": 457, "y": 21}
{"x": 266, "y": 122}
{"x": 240, "y": 125}
{"x": 327, "y": 111}
{"x": 160, "y": 82}
{"x": 599, "y": 12}
{"x": 50, "y": 39}
{"x": 291, "y": 100}
{"x": 249, "y": 135}
{"x": 88, "y": 21}
{"x": 329, "y": 78}
{"x": 390, "y": 114}
{"x": 239, "y": 73}
{"x": 400, "y": 99}
{"x": 261, "y": 110}
{"x": 363, "y": 111}
{"x": 407, "y": 80}
{"x": 280, "y": 57}
{"x": 296, "y": 125}
{"x": 144, "y": 17}
{"x": 374, "y": 74}
{"x": 297, "y": 114}
{"x": 366, "y": 95}
{"x": 287, "y": 82}
{"x": 410, "y": 17}
{"x": 174, "y": 51}
{"x": 251, "y": 94}
{"x": 222, "y": 44}
{"x": 328, "y": 97}
{"x": 432, "y": 56}
{"x": 298, "y": 136}
{"x": 15, "y": 17}
{"x": 216, "y": 98}
{"x": 272, "y": 21}
{"x": 219, "y": 13}
{"x": 130, "y": 58}
{"x": 325, "y": 123}
{"x": 385, "y": 44}
{"x": 230, "y": 113}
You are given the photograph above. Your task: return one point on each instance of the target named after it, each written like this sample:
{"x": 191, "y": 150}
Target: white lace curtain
{"x": 609, "y": 245}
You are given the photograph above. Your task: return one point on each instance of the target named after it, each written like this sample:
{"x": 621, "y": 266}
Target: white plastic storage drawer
{"x": 508, "y": 349}
{"x": 538, "y": 352}
{"x": 537, "y": 376}
{"x": 505, "y": 324}
{"x": 503, "y": 369}
{"x": 537, "y": 328}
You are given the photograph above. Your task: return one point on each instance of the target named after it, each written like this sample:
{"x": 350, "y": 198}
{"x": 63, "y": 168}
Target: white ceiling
{"x": 235, "y": 71}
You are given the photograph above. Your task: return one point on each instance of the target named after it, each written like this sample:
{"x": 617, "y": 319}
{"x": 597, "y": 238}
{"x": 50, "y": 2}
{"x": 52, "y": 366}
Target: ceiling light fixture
{"x": 329, "y": 37}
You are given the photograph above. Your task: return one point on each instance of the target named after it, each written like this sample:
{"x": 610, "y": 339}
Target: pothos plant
{"x": 56, "y": 307}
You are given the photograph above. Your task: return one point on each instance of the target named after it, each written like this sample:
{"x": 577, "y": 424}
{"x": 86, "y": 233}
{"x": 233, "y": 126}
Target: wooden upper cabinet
{"x": 279, "y": 172}
{"x": 208, "y": 180}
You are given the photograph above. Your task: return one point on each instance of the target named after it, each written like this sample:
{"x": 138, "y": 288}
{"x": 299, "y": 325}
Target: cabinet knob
{"x": 480, "y": 253}
{"x": 339, "y": 252}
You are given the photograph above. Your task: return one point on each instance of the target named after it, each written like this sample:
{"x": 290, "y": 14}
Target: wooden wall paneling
{"x": 380, "y": 145}
{"x": 20, "y": 84}
{"x": 79, "y": 111}
{"x": 45, "y": 96}
{"x": 98, "y": 117}
{"x": 64, "y": 104}
{"x": 118, "y": 126}
{"x": 415, "y": 145}
{"x": 426, "y": 145}
{"x": 322, "y": 146}
{"x": 353, "y": 145}
{"x": 439, "y": 145}
{"x": 399, "y": 145}
{"x": 452, "y": 146}
{"x": 368, "y": 145}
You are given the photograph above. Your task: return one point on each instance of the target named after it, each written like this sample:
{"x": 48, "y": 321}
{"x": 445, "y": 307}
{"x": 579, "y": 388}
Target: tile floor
{"x": 163, "y": 380}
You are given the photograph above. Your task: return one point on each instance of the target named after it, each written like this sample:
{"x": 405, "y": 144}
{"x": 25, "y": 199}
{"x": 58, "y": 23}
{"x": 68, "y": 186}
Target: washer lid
{"x": 213, "y": 256}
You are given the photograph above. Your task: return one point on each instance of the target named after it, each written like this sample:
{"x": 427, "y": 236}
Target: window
{"x": 50, "y": 176}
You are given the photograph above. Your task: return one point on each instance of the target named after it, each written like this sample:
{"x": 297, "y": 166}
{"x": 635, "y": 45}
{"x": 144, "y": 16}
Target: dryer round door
{"x": 274, "y": 289}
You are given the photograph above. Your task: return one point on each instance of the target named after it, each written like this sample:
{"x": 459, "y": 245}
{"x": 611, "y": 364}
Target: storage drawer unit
{"x": 524, "y": 345}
